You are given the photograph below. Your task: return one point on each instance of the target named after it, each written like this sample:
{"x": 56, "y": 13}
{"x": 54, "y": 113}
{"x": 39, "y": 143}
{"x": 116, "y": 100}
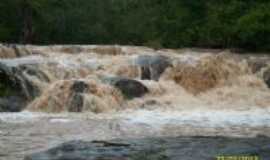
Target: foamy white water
{"x": 20, "y": 117}
{"x": 202, "y": 118}
{"x": 157, "y": 118}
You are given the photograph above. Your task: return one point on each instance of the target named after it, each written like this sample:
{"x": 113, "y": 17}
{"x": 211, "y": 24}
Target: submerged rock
{"x": 206, "y": 73}
{"x": 13, "y": 50}
{"x": 152, "y": 66}
{"x": 187, "y": 148}
{"x": 257, "y": 64}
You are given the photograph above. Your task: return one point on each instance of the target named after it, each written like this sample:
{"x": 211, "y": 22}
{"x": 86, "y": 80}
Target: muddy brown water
{"x": 235, "y": 103}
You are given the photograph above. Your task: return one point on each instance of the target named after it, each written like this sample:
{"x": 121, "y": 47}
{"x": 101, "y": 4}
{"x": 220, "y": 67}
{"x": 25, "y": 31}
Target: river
{"x": 199, "y": 93}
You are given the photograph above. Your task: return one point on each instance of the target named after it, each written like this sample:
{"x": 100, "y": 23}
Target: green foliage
{"x": 156, "y": 23}
{"x": 254, "y": 28}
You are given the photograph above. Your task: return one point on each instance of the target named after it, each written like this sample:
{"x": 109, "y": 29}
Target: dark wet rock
{"x": 9, "y": 84}
{"x": 12, "y": 98}
{"x": 16, "y": 81}
{"x": 12, "y": 104}
{"x": 77, "y": 98}
{"x": 130, "y": 88}
{"x": 152, "y": 66}
{"x": 257, "y": 64}
{"x": 79, "y": 87}
{"x": 186, "y": 148}
{"x": 266, "y": 77}
{"x": 15, "y": 77}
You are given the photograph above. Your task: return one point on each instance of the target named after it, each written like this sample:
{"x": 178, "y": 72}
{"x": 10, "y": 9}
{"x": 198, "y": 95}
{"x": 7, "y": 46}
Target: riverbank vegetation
{"x": 157, "y": 23}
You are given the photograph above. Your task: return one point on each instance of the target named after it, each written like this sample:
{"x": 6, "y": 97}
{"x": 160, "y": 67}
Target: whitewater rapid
{"x": 200, "y": 93}
{"x": 156, "y": 118}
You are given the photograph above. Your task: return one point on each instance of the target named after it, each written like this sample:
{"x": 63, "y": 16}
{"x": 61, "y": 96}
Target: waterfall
{"x": 45, "y": 77}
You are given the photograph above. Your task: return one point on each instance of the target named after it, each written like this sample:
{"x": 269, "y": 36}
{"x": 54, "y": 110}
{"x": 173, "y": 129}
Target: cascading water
{"x": 104, "y": 92}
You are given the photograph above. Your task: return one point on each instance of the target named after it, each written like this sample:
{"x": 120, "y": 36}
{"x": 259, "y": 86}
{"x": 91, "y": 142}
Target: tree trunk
{"x": 27, "y": 31}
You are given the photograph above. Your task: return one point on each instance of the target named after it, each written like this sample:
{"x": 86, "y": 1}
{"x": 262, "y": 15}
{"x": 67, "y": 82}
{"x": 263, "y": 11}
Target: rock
{"x": 152, "y": 66}
{"x": 7, "y": 52}
{"x": 266, "y": 77}
{"x": 82, "y": 95}
{"x": 187, "y": 148}
{"x": 19, "y": 82}
{"x": 79, "y": 86}
{"x": 10, "y": 90}
{"x": 21, "y": 50}
{"x": 14, "y": 50}
{"x": 12, "y": 104}
{"x": 256, "y": 64}
{"x": 130, "y": 88}
{"x": 16, "y": 78}
{"x": 9, "y": 78}
{"x": 76, "y": 103}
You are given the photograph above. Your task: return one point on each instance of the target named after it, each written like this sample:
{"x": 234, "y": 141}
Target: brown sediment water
{"x": 200, "y": 93}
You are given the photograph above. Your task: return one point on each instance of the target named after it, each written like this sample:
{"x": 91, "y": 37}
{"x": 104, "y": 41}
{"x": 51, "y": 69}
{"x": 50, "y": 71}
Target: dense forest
{"x": 156, "y": 23}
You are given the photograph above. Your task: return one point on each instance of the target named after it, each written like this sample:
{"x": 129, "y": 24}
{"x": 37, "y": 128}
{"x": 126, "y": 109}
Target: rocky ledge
{"x": 186, "y": 148}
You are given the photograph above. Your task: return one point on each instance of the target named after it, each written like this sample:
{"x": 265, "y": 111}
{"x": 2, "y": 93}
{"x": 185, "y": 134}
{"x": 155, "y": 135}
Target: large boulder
{"x": 152, "y": 66}
{"x": 186, "y": 148}
{"x": 18, "y": 84}
{"x": 12, "y": 98}
{"x": 19, "y": 79}
{"x": 130, "y": 88}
